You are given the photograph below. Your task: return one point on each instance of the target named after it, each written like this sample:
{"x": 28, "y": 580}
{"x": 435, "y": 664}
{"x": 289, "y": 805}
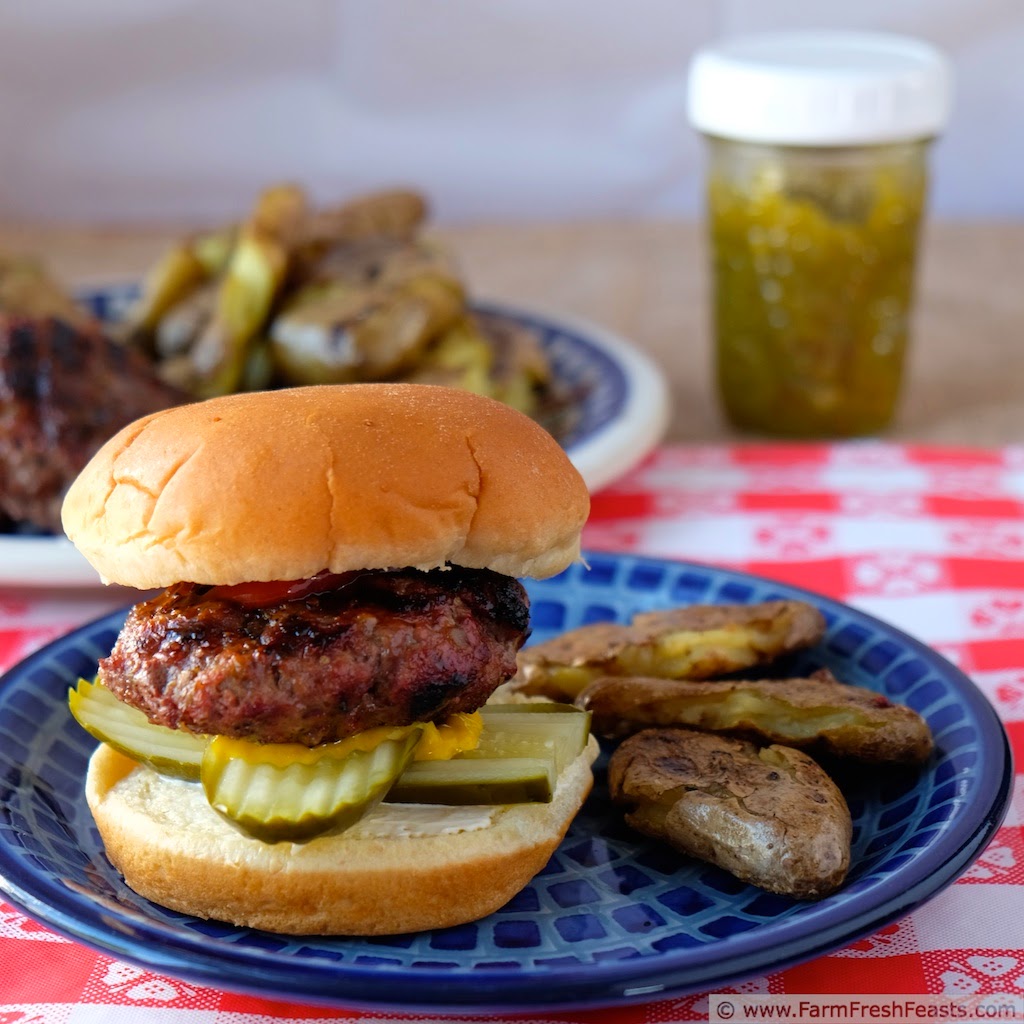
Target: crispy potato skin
{"x": 771, "y": 817}
{"x": 790, "y": 625}
{"x": 819, "y": 714}
{"x": 697, "y": 642}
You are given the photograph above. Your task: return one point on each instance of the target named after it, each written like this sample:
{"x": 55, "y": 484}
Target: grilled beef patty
{"x": 387, "y": 648}
{"x": 63, "y": 392}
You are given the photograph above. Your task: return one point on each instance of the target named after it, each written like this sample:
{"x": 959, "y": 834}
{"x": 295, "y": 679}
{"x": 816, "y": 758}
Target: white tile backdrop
{"x": 181, "y": 109}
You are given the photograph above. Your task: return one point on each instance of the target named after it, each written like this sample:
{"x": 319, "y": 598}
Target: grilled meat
{"x": 63, "y": 392}
{"x": 386, "y": 648}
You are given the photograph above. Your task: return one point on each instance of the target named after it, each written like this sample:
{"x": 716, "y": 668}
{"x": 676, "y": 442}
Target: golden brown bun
{"x": 279, "y": 485}
{"x": 175, "y": 850}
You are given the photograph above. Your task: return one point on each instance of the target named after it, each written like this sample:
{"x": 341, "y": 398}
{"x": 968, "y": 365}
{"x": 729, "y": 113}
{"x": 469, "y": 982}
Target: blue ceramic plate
{"x": 612, "y": 918}
{"x": 617, "y": 413}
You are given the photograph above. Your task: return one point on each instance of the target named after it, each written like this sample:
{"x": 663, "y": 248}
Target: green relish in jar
{"x": 816, "y": 189}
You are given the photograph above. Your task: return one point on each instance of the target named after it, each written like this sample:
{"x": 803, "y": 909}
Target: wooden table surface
{"x": 648, "y": 281}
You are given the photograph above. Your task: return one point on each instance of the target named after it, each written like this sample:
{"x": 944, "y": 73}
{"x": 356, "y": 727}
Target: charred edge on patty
{"x": 388, "y": 648}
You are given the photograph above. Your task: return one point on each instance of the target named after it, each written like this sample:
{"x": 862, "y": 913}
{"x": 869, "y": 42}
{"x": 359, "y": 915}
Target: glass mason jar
{"x": 816, "y": 189}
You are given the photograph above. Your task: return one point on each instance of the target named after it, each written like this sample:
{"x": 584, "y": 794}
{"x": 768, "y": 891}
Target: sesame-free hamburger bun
{"x": 281, "y": 485}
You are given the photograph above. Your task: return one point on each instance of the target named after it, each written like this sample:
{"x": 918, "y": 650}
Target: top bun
{"x": 280, "y": 485}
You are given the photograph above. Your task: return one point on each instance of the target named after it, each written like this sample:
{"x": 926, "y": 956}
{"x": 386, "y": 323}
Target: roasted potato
{"x": 819, "y": 714}
{"x": 460, "y": 358}
{"x": 178, "y": 328}
{"x": 520, "y": 371}
{"x": 382, "y": 263}
{"x": 698, "y": 642}
{"x": 312, "y": 234}
{"x": 395, "y": 214}
{"x": 770, "y": 816}
{"x": 341, "y": 331}
{"x": 296, "y": 295}
{"x": 488, "y": 356}
{"x": 366, "y": 311}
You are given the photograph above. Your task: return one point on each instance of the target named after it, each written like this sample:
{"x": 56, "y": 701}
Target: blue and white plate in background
{"x": 613, "y": 918}
{"x": 620, "y": 412}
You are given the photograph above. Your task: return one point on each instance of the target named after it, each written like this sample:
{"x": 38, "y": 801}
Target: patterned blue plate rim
{"x": 132, "y": 935}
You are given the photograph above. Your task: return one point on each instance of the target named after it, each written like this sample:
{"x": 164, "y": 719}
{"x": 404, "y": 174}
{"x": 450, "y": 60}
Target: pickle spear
{"x": 126, "y": 729}
{"x": 277, "y": 800}
{"x": 494, "y": 780}
{"x": 522, "y": 750}
{"x": 511, "y": 731}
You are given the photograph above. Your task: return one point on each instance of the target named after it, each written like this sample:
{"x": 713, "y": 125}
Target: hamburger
{"x": 337, "y": 574}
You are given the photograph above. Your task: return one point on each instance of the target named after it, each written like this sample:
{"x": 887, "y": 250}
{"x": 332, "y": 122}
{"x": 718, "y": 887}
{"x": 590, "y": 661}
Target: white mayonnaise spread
{"x": 405, "y": 821}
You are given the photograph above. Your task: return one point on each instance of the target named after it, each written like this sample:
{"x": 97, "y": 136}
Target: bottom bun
{"x": 401, "y": 869}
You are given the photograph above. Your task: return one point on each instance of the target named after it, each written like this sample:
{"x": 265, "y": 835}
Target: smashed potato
{"x": 392, "y": 214}
{"x": 819, "y": 714}
{"x": 698, "y": 642}
{"x": 344, "y": 329}
{"x": 771, "y": 817}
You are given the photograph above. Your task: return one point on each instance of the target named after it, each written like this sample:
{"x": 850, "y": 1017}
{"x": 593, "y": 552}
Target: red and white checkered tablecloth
{"x": 929, "y": 539}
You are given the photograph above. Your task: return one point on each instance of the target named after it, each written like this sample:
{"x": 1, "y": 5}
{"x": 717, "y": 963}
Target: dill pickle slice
{"x": 511, "y": 732}
{"x": 496, "y": 780}
{"x": 299, "y": 801}
{"x": 126, "y": 729}
{"x": 518, "y": 759}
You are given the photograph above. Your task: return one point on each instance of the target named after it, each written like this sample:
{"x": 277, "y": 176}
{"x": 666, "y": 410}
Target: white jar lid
{"x": 820, "y": 88}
